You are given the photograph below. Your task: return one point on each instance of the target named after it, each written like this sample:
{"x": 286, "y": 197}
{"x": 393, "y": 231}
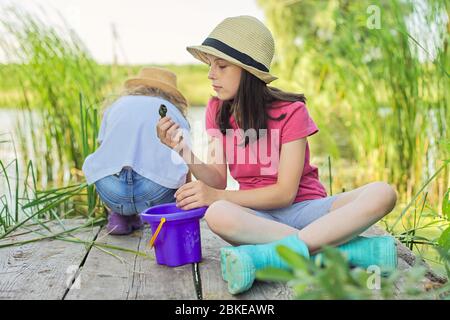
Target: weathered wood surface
{"x": 104, "y": 276}
{"x": 214, "y": 287}
{"x": 42, "y": 270}
{"x": 129, "y": 276}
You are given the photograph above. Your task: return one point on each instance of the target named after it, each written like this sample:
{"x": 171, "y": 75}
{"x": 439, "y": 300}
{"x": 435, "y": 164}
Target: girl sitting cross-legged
{"x": 280, "y": 200}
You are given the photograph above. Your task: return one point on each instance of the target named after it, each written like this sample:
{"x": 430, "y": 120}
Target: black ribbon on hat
{"x": 240, "y": 56}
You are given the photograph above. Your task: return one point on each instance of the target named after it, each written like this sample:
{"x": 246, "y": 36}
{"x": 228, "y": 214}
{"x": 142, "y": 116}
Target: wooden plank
{"x": 107, "y": 276}
{"x": 104, "y": 276}
{"x": 43, "y": 269}
{"x": 214, "y": 287}
{"x": 154, "y": 281}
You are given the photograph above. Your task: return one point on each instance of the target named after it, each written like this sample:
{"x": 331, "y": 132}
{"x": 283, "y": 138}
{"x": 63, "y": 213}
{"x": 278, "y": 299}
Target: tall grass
{"x": 23, "y": 200}
{"x": 382, "y": 92}
{"x": 54, "y": 67}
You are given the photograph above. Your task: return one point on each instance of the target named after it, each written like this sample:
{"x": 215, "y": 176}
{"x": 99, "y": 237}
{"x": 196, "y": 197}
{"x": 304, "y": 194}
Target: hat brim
{"x": 134, "y": 82}
{"x": 199, "y": 52}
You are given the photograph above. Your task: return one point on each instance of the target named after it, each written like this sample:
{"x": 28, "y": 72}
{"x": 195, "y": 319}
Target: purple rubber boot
{"x": 118, "y": 224}
{"x": 135, "y": 221}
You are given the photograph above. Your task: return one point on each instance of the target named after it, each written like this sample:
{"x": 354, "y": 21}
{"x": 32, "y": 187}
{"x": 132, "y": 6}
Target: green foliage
{"x": 23, "y": 202}
{"x": 54, "y": 67}
{"x": 444, "y": 239}
{"x": 334, "y": 279}
{"x": 446, "y": 205}
{"x": 379, "y": 90}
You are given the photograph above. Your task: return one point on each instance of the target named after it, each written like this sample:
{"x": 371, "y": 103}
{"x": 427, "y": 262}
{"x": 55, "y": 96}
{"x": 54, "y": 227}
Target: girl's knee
{"x": 386, "y": 194}
{"x": 219, "y": 217}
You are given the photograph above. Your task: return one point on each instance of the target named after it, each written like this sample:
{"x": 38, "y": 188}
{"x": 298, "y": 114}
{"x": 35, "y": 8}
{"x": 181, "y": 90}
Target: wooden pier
{"x": 72, "y": 268}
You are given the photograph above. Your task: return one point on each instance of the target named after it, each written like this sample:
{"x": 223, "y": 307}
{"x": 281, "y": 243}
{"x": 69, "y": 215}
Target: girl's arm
{"x": 281, "y": 194}
{"x": 188, "y": 177}
{"x": 214, "y": 173}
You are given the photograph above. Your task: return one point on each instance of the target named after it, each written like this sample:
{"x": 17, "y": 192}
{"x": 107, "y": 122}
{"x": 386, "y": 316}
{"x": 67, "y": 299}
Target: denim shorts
{"x": 129, "y": 193}
{"x": 299, "y": 214}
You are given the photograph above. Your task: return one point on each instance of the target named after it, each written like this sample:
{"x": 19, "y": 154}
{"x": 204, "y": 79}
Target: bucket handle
{"x": 153, "y": 239}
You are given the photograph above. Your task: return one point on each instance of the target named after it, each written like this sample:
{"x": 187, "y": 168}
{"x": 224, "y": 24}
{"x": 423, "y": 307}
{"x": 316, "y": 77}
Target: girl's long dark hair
{"x": 251, "y": 105}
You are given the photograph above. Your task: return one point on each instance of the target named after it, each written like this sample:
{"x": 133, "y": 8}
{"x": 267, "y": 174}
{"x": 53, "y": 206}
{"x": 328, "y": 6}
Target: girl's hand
{"x": 195, "y": 194}
{"x": 169, "y": 133}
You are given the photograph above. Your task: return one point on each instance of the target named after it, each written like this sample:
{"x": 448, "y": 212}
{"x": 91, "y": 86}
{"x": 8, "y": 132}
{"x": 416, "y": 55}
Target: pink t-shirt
{"x": 256, "y": 165}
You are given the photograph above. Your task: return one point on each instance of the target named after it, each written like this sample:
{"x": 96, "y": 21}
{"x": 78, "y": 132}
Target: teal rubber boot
{"x": 364, "y": 252}
{"x": 239, "y": 264}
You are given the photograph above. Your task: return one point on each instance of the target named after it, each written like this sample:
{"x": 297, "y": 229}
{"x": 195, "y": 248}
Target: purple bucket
{"x": 178, "y": 241}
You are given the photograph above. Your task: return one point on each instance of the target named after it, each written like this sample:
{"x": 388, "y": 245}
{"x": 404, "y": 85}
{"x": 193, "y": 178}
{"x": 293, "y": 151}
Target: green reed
{"x": 23, "y": 201}
{"x": 379, "y": 95}
{"x": 54, "y": 67}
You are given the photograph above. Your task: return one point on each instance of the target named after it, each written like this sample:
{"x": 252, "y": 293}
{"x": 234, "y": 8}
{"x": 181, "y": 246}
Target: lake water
{"x": 8, "y": 119}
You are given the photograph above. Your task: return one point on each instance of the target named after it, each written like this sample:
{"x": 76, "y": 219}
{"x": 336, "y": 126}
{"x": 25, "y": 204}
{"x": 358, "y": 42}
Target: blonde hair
{"x": 143, "y": 90}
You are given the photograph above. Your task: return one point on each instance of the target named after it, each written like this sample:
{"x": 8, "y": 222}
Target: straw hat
{"x": 153, "y": 77}
{"x": 242, "y": 40}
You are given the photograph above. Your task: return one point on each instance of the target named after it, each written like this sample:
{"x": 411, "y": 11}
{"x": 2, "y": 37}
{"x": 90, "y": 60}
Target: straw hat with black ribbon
{"x": 161, "y": 79}
{"x": 244, "y": 41}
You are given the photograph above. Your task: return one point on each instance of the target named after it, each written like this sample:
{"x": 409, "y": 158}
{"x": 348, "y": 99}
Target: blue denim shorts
{"x": 299, "y": 214}
{"x": 129, "y": 193}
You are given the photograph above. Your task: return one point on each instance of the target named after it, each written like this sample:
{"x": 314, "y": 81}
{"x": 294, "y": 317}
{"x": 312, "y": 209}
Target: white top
{"x": 128, "y": 138}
